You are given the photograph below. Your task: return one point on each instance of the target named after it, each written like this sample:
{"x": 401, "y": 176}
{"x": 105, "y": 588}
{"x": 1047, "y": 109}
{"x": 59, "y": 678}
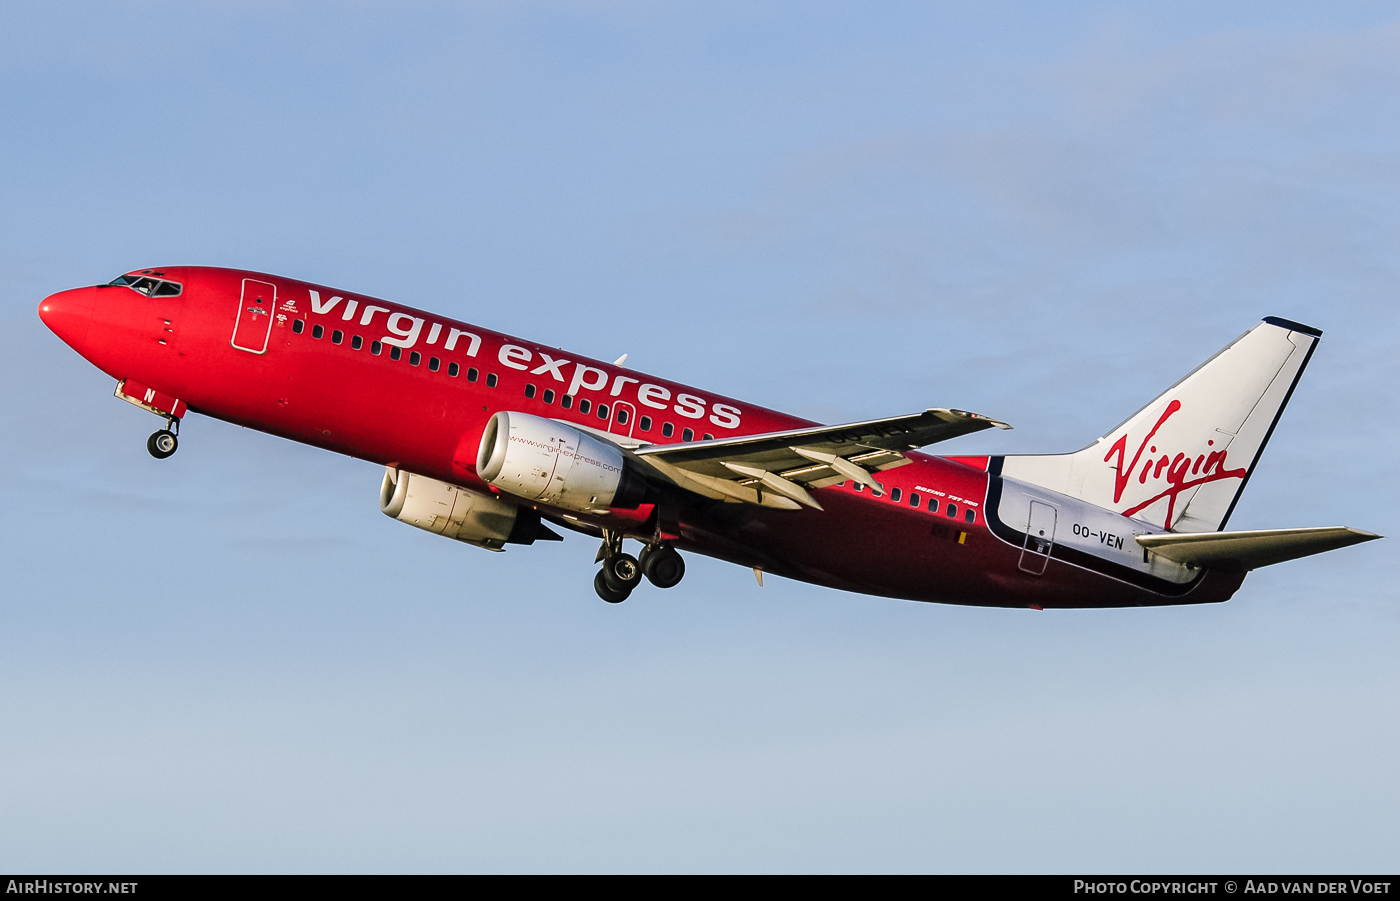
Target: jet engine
{"x": 458, "y": 513}
{"x": 553, "y": 463}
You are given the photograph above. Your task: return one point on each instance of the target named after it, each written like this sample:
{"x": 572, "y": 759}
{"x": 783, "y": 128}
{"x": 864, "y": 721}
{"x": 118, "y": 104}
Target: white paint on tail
{"x": 1181, "y": 461}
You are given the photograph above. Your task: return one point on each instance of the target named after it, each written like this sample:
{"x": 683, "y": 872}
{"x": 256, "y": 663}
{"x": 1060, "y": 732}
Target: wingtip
{"x": 967, "y": 414}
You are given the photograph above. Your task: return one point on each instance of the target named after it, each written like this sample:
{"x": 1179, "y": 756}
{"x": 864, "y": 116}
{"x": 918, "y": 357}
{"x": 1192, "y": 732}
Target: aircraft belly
{"x": 877, "y": 548}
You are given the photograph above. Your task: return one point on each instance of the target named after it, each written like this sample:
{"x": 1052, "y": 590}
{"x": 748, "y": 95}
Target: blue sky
{"x": 231, "y": 661}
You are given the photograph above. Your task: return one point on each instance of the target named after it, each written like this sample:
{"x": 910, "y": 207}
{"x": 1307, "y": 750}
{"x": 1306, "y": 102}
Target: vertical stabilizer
{"x": 1182, "y": 461}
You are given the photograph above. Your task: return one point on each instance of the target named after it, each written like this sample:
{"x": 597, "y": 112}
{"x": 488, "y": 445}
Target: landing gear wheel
{"x": 621, "y": 571}
{"x": 607, "y": 592}
{"x": 663, "y": 566}
{"x": 162, "y": 444}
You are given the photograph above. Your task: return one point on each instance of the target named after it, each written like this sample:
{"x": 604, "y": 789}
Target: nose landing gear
{"x": 163, "y": 443}
{"x": 621, "y": 573}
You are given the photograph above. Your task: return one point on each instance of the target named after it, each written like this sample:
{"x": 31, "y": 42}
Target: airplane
{"x": 490, "y": 440}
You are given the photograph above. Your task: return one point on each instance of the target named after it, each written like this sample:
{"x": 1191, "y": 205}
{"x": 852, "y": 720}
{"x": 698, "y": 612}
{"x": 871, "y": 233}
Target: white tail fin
{"x": 1182, "y": 461}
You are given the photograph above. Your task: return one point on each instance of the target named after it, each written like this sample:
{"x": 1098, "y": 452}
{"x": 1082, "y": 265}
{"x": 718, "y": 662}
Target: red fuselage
{"x": 405, "y": 388}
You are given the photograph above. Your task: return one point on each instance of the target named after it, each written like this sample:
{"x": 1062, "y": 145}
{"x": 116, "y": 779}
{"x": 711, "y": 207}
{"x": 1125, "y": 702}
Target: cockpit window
{"x": 151, "y": 287}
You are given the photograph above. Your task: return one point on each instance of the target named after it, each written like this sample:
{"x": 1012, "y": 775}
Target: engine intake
{"x": 458, "y": 513}
{"x": 553, "y": 463}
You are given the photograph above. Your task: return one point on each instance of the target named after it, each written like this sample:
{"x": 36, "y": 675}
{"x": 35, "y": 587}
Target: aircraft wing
{"x": 1250, "y": 550}
{"x": 776, "y": 469}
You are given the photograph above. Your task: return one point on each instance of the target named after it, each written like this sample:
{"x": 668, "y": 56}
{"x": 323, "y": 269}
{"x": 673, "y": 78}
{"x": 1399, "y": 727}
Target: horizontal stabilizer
{"x": 1250, "y": 550}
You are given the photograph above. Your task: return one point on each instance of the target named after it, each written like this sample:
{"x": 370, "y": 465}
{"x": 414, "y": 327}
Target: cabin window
{"x": 688, "y": 435}
{"x": 585, "y": 405}
{"x": 529, "y": 390}
{"x": 708, "y": 437}
{"x": 317, "y": 331}
{"x": 602, "y": 411}
{"x": 549, "y": 395}
{"x": 645, "y": 423}
{"x": 434, "y": 364}
{"x": 376, "y": 348}
{"x": 877, "y": 492}
{"x": 913, "y": 498}
{"x": 933, "y": 505}
{"x": 622, "y": 416}
{"x": 395, "y": 352}
{"x": 668, "y": 430}
{"x": 415, "y": 358}
{"x": 356, "y": 342}
{"x": 953, "y": 511}
{"x": 337, "y": 336}
{"x": 567, "y": 402}
{"x": 895, "y": 494}
{"x": 970, "y": 515}
{"x": 453, "y": 369}
{"x": 298, "y": 325}
{"x": 490, "y": 380}
{"x": 858, "y": 486}
{"x": 472, "y": 375}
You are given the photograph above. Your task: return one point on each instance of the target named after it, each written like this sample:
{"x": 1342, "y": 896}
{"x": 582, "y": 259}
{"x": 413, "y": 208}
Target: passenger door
{"x": 255, "y": 309}
{"x": 1040, "y": 538}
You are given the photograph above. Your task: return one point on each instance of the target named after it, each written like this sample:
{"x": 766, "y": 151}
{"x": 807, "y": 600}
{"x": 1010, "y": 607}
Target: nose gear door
{"x": 255, "y": 308}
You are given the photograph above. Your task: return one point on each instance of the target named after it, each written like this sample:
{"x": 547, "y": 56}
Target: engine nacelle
{"x": 553, "y": 463}
{"x": 458, "y": 513}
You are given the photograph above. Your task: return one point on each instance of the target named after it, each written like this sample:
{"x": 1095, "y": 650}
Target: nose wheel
{"x": 621, "y": 573}
{"x": 164, "y": 443}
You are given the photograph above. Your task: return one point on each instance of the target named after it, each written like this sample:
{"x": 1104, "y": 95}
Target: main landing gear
{"x": 165, "y": 442}
{"x": 660, "y": 563}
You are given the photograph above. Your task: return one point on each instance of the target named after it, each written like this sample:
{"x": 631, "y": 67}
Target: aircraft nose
{"x": 68, "y": 315}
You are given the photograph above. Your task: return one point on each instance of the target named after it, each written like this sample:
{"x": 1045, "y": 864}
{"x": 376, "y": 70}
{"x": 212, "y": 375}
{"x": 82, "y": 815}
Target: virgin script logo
{"x": 1181, "y": 472}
